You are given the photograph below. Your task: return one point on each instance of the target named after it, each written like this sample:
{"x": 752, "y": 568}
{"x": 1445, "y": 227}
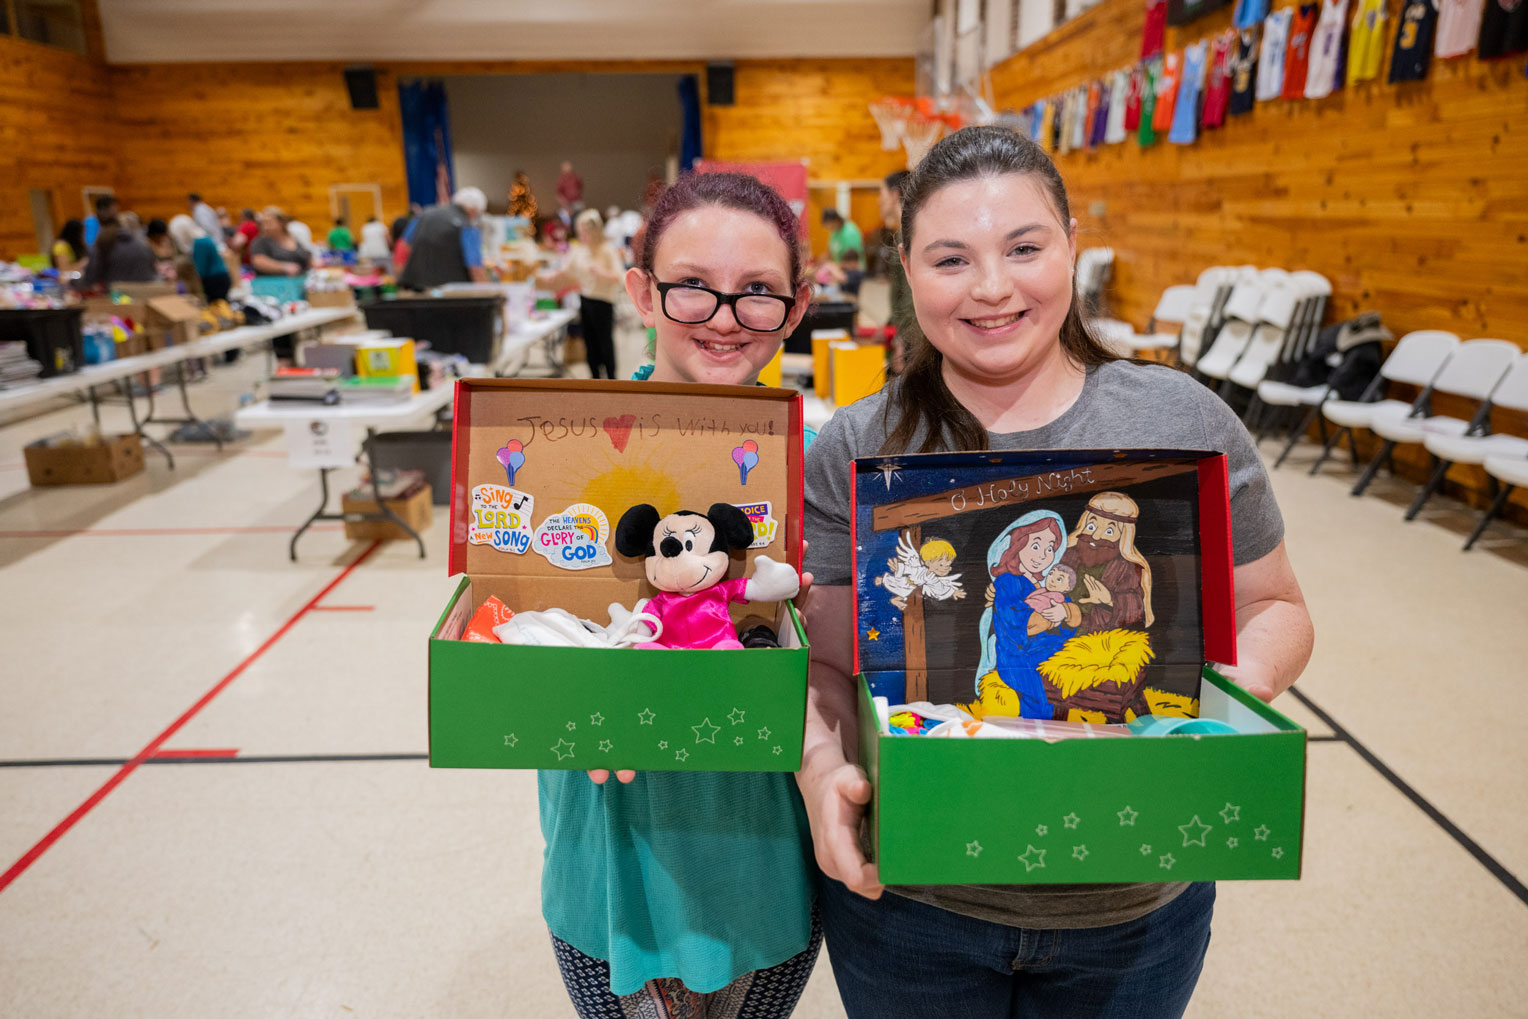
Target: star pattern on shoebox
{"x": 663, "y": 744}
{"x": 559, "y": 748}
{"x": 705, "y": 732}
{"x": 1278, "y": 852}
{"x": 1041, "y": 830}
{"x": 596, "y": 719}
{"x": 764, "y": 733}
{"x": 738, "y": 740}
{"x": 1230, "y": 812}
{"x": 1194, "y": 831}
{"x": 1166, "y": 861}
{"x": 1145, "y": 849}
{"x": 1071, "y": 820}
{"x": 1232, "y": 842}
{"x": 1127, "y": 817}
{"x": 735, "y": 716}
{"x": 646, "y": 716}
{"x": 681, "y": 754}
{"x": 778, "y": 749}
{"x": 1079, "y": 853}
{"x": 1032, "y": 858}
{"x": 511, "y": 739}
{"x": 973, "y": 848}
{"x": 1261, "y": 832}
{"x": 605, "y": 745}
{"x": 572, "y": 726}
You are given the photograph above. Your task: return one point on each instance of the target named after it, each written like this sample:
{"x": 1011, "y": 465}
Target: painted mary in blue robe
{"x": 1018, "y": 561}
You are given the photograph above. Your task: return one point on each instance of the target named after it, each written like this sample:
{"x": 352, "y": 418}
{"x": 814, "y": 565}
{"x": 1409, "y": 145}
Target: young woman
{"x": 596, "y": 269}
{"x": 1002, "y": 361}
{"x": 690, "y": 893}
{"x": 70, "y": 253}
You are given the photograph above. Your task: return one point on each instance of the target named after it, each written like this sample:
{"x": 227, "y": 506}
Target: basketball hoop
{"x": 919, "y": 135}
{"x": 891, "y": 113}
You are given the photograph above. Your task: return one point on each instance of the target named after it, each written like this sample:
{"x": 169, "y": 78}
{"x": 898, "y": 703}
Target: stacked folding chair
{"x": 1448, "y": 446}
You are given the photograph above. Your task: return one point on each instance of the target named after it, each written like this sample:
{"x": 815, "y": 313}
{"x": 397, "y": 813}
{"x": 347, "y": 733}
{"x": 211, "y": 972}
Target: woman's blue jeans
{"x": 895, "y": 958}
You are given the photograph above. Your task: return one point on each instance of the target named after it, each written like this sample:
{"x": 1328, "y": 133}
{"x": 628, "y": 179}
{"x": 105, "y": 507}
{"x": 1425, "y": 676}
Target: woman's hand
{"x": 599, "y": 776}
{"x": 1054, "y": 614}
{"x": 991, "y": 594}
{"x": 835, "y": 806}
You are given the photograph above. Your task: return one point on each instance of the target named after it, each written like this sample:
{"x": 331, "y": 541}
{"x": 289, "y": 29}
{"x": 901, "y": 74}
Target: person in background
{"x": 70, "y": 252}
{"x": 397, "y": 231}
{"x": 106, "y": 207}
{"x": 120, "y": 254}
{"x": 376, "y": 244}
{"x": 570, "y": 190}
{"x": 340, "y": 238}
{"x": 596, "y": 269}
{"x": 248, "y": 230}
{"x": 225, "y": 223}
{"x": 302, "y": 233}
{"x": 276, "y": 252}
{"x": 444, "y": 243}
{"x": 842, "y": 236}
{"x": 901, "y": 317}
{"x": 157, "y": 234}
{"x": 205, "y": 215}
{"x": 209, "y": 272}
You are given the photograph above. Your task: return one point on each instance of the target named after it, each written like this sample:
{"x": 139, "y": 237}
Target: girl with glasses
{"x": 691, "y": 893}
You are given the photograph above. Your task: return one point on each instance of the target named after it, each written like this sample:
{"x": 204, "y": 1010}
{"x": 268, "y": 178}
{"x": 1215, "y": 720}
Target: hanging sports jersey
{"x": 1155, "y": 31}
{"x": 1414, "y": 41}
{"x": 1297, "y": 52}
{"x": 1146, "y": 134}
{"x": 1366, "y": 41}
{"x": 1270, "y": 61}
{"x": 1458, "y": 26}
{"x": 1503, "y": 29}
{"x": 1217, "y": 82}
{"x": 1324, "y": 73}
{"x": 1185, "y": 126}
{"x": 1048, "y": 126}
{"x": 1243, "y": 71}
{"x": 1091, "y": 119}
{"x": 1080, "y": 118}
{"x": 1114, "y": 132}
{"x": 1249, "y": 13}
{"x": 1133, "y": 99}
{"x": 1101, "y": 118}
{"x": 1064, "y": 120}
{"x": 1167, "y": 92}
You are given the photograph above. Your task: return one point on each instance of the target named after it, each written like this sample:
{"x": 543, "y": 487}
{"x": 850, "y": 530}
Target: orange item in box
{"x": 491, "y": 613}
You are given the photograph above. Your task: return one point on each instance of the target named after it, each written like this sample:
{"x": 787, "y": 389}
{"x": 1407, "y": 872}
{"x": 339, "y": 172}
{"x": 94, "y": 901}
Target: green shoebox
{"x": 528, "y": 450}
{"x": 1080, "y": 810}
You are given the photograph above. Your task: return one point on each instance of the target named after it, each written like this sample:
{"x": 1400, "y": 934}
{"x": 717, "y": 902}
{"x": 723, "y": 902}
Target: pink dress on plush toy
{"x": 699, "y": 620}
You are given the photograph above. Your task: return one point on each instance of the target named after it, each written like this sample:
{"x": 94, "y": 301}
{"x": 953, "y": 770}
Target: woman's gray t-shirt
{"x": 1122, "y": 406}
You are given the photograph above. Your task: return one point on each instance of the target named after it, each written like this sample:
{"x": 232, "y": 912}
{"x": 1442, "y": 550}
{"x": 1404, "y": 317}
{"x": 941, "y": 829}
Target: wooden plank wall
{"x": 249, "y": 135}
{"x": 55, "y": 126}
{"x": 1411, "y": 199}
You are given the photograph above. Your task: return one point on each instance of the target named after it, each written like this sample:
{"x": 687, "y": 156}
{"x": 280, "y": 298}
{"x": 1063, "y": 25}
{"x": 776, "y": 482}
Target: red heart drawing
{"x": 619, "y": 430}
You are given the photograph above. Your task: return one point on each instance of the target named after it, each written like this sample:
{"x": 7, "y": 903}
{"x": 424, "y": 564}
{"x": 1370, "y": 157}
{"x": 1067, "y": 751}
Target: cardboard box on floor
{"x": 112, "y": 459}
{"x": 1026, "y": 811}
{"x": 586, "y": 452}
{"x": 415, "y": 509}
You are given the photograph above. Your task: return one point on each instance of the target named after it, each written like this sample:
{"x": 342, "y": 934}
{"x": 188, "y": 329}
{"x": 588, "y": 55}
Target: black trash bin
{"x": 470, "y": 326}
{"x": 53, "y": 336}
{"x": 822, "y": 315}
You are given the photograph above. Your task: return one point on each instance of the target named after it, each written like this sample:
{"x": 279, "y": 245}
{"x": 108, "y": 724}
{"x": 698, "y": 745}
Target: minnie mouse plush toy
{"x": 687, "y": 556}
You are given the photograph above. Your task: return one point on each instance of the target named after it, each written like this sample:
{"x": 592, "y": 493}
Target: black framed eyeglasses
{"x": 691, "y": 305}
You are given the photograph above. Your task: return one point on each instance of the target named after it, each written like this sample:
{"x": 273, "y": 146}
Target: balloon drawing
{"x": 746, "y": 457}
{"x": 512, "y": 457}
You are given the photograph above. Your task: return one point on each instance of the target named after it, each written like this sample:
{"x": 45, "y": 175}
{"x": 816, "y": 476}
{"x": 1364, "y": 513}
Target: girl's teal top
{"x": 704, "y": 876}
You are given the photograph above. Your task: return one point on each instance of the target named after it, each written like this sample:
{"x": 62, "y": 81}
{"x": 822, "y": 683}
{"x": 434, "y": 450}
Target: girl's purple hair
{"x": 730, "y": 191}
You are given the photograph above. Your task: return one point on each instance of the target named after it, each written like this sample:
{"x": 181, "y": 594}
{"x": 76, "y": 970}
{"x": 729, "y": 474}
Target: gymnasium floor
{"x": 325, "y": 870}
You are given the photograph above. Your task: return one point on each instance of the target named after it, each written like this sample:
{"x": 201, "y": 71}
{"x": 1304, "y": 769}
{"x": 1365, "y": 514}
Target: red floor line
{"x": 165, "y": 755}
{"x": 344, "y": 608}
{"x": 30, "y": 856}
{"x": 148, "y": 532}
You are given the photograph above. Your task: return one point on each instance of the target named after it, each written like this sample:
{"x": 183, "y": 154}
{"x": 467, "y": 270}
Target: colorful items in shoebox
{"x": 949, "y": 721}
{"x": 908, "y": 723}
{"x": 490, "y": 614}
{"x": 100, "y": 342}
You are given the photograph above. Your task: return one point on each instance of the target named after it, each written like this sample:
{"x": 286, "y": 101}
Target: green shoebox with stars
{"x": 542, "y": 471}
{"x": 1069, "y": 587}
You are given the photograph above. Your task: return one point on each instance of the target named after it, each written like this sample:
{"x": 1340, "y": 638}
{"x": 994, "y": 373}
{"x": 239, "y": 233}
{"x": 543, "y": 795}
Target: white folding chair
{"x": 1447, "y": 446}
{"x": 1474, "y": 371}
{"x": 1505, "y": 474}
{"x": 1241, "y": 317}
{"x": 1269, "y": 340}
{"x": 1173, "y": 306}
{"x": 1319, "y": 292}
{"x": 1114, "y": 334}
{"x": 1211, "y": 291}
{"x": 1416, "y": 361}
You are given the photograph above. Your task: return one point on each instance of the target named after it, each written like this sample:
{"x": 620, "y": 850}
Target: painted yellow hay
{"x": 1174, "y": 705}
{"x": 1093, "y": 659}
{"x": 994, "y": 697}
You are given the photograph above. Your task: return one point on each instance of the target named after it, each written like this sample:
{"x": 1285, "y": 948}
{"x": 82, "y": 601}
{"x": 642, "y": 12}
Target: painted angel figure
{"x": 925, "y": 569}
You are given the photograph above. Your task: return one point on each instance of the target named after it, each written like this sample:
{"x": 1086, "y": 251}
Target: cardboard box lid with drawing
{"x": 542, "y": 473}
{"x": 1036, "y": 591}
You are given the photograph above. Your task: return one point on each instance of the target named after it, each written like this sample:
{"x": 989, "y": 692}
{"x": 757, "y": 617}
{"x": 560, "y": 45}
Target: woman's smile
{"x": 995, "y": 327}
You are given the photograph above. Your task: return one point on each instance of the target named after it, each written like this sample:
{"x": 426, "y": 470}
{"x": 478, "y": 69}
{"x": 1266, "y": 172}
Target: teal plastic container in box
{"x": 281, "y": 288}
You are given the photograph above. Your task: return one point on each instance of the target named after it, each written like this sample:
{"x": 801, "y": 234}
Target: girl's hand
{"x": 835, "y": 806}
{"x": 599, "y": 775}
